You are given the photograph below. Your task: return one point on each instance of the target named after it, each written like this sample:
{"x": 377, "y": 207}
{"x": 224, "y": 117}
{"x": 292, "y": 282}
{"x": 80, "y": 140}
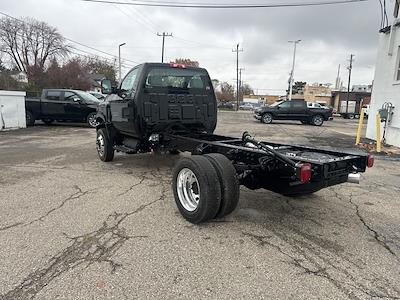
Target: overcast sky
{"x": 329, "y": 33}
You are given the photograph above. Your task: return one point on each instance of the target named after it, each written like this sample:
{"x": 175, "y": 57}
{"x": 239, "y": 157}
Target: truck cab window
{"x": 298, "y": 104}
{"x": 53, "y": 95}
{"x": 70, "y": 96}
{"x": 129, "y": 81}
{"x": 285, "y": 104}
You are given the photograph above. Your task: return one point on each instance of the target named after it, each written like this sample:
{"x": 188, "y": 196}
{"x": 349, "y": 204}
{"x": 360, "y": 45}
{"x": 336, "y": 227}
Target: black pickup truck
{"x": 172, "y": 108}
{"x": 62, "y": 105}
{"x": 293, "y": 110}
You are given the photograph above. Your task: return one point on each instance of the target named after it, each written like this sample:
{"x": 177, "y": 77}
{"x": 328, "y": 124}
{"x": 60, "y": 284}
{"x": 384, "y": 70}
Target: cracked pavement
{"x": 72, "y": 227}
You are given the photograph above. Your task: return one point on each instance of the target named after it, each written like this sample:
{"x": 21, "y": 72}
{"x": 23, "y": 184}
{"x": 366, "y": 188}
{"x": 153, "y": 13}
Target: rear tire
{"x": 104, "y": 146}
{"x": 267, "y": 118}
{"x": 196, "y": 188}
{"x": 317, "y": 120}
{"x": 230, "y": 188}
{"x": 29, "y": 118}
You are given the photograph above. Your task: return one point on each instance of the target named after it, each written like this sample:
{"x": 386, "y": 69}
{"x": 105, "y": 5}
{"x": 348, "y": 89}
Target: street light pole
{"x": 292, "y": 72}
{"x": 119, "y": 61}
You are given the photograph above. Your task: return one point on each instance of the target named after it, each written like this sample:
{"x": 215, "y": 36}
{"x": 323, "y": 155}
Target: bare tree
{"x": 30, "y": 44}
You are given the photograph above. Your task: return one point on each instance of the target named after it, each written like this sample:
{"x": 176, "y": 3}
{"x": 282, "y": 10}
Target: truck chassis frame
{"x": 286, "y": 169}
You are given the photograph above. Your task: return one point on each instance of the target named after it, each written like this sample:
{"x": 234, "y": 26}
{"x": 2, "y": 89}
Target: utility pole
{"x": 337, "y": 85}
{"x": 237, "y": 50}
{"x": 350, "y": 67}
{"x": 119, "y": 60}
{"x": 240, "y": 82}
{"x": 292, "y": 72}
{"x": 164, "y": 34}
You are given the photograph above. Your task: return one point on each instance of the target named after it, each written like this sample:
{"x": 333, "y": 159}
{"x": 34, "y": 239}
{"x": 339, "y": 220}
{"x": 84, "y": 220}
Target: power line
{"x": 230, "y": 6}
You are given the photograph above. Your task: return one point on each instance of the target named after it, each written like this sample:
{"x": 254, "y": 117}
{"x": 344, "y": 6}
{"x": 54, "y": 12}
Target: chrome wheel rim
{"x": 267, "y": 118}
{"x": 92, "y": 120}
{"x": 188, "y": 190}
{"x": 318, "y": 120}
{"x": 100, "y": 144}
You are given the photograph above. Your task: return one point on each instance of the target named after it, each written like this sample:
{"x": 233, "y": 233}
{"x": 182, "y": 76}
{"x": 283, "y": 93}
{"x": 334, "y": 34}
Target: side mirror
{"x": 106, "y": 87}
{"x": 76, "y": 99}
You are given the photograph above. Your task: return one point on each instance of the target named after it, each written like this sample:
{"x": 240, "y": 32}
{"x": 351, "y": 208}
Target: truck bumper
{"x": 257, "y": 117}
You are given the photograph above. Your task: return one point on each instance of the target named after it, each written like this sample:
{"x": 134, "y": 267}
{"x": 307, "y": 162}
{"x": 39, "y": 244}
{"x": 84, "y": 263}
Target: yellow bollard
{"x": 360, "y": 124}
{"x": 378, "y": 132}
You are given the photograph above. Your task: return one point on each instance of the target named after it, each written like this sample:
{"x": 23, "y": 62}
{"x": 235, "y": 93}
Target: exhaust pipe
{"x": 354, "y": 178}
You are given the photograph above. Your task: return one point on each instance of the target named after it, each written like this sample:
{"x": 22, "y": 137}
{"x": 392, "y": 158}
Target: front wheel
{"x": 317, "y": 120}
{"x": 104, "y": 146}
{"x": 29, "y": 118}
{"x": 267, "y": 118}
{"x": 197, "y": 190}
{"x": 91, "y": 120}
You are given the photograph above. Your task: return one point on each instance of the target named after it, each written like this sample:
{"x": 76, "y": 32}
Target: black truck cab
{"x": 154, "y": 97}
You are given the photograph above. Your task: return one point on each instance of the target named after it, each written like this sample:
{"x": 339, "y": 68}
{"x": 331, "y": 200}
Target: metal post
{"x": 292, "y": 72}
{"x": 360, "y": 124}
{"x": 119, "y": 62}
{"x": 378, "y": 132}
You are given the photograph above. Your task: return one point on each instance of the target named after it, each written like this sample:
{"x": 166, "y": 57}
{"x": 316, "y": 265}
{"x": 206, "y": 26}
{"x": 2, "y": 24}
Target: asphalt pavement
{"x": 73, "y": 227}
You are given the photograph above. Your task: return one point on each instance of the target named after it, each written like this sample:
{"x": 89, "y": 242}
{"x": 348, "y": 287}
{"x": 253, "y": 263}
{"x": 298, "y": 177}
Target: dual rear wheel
{"x": 205, "y": 187}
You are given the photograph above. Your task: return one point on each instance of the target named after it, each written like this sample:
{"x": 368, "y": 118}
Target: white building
{"x": 12, "y": 110}
{"x": 387, "y": 81}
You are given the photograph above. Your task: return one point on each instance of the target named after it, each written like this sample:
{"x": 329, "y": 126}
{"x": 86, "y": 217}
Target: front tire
{"x": 29, "y": 118}
{"x": 104, "y": 146}
{"x": 317, "y": 120}
{"x": 196, "y": 188}
{"x": 92, "y": 120}
{"x": 230, "y": 188}
{"x": 266, "y": 118}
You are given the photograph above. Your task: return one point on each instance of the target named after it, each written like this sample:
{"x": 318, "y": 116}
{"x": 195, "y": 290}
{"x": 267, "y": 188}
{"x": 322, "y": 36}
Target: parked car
{"x": 246, "y": 106}
{"x": 293, "y": 110}
{"x": 62, "y": 105}
{"x": 226, "y": 105}
{"x": 98, "y": 95}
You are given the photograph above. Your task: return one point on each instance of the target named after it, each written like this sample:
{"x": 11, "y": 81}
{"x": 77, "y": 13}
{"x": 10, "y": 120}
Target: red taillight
{"x": 305, "y": 173}
{"x": 181, "y": 66}
{"x": 370, "y": 161}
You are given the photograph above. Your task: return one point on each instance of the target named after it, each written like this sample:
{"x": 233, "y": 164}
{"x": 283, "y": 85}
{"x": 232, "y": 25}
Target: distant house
{"x": 387, "y": 80}
{"x": 362, "y": 88}
{"x": 356, "y": 99}
{"x": 315, "y": 93}
{"x": 95, "y": 82}
{"x": 18, "y": 76}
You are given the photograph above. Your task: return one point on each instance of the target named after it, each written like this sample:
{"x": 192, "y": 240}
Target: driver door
{"x": 283, "y": 111}
{"x": 122, "y": 104}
